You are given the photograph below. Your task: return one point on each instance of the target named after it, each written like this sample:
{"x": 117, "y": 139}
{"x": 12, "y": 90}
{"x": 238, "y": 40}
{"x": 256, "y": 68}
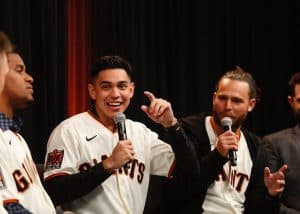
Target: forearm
{"x": 203, "y": 170}
{"x": 66, "y": 188}
{"x": 185, "y": 153}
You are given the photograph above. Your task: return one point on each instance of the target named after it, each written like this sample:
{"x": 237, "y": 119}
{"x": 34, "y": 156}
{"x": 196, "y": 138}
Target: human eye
{"x": 222, "y": 97}
{"x": 237, "y": 100}
{"x": 19, "y": 69}
{"x": 105, "y": 86}
{"x": 123, "y": 86}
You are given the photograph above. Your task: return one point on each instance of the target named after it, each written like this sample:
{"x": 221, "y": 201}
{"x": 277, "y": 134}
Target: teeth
{"x": 114, "y": 104}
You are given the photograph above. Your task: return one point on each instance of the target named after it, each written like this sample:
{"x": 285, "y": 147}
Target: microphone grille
{"x": 119, "y": 117}
{"x": 226, "y": 121}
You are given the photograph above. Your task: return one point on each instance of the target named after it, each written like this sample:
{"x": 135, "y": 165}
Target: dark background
{"x": 178, "y": 50}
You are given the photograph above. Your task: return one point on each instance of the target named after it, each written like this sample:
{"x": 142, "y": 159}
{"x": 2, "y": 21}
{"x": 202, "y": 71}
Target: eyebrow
{"x": 108, "y": 82}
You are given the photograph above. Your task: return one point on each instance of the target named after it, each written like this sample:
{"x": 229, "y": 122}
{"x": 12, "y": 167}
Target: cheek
{"x": 127, "y": 95}
{"x": 296, "y": 107}
{"x": 242, "y": 111}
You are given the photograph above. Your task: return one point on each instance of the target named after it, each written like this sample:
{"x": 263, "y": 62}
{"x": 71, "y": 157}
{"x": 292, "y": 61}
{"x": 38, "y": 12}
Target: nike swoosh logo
{"x": 91, "y": 138}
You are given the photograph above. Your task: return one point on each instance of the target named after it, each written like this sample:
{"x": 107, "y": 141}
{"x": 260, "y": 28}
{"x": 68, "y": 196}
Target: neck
{"x": 6, "y": 108}
{"x": 109, "y": 123}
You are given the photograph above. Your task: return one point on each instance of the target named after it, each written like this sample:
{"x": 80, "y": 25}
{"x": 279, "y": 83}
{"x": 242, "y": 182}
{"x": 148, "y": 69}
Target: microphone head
{"x": 119, "y": 117}
{"x": 226, "y": 122}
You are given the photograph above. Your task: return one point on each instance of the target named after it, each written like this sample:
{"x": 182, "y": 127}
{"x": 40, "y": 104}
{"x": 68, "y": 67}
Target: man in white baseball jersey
{"x": 18, "y": 94}
{"x": 85, "y": 159}
{"x": 6, "y": 194}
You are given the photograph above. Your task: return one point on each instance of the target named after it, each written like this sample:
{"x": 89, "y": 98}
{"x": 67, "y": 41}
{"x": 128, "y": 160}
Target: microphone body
{"x": 226, "y": 123}
{"x": 119, "y": 120}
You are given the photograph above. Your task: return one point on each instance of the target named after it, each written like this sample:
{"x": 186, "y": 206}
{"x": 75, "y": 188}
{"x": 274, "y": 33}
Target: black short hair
{"x": 295, "y": 79}
{"x": 110, "y": 62}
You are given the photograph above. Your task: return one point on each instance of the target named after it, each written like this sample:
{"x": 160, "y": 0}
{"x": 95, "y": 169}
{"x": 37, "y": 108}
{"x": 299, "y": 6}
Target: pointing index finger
{"x": 150, "y": 96}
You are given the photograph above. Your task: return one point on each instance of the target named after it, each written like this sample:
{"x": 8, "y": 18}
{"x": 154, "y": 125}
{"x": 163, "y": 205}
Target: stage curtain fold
{"x": 78, "y": 55}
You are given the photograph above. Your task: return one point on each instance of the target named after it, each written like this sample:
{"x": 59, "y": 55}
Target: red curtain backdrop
{"x": 78, "y": 54}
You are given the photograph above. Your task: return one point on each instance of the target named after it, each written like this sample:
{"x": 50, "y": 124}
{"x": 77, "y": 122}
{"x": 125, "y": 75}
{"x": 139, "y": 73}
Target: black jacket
{"x": 187, "y": 193}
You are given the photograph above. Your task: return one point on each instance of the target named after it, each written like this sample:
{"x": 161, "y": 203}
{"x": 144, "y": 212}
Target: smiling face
{"x": 112, "y": 91}
{"x": 232, "y": 100}
{"x": 18, "y": 88}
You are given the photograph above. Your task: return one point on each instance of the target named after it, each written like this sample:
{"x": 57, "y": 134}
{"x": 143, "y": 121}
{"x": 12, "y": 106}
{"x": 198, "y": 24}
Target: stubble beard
{"x": 236, "y": 124}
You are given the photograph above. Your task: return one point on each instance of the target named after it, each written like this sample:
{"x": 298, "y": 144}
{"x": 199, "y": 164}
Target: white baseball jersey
{"x": 82, "y": 141}
{"x": 21, "y": 177}
{"x": 227, "y": 194}
{"x": 6, "y": 194}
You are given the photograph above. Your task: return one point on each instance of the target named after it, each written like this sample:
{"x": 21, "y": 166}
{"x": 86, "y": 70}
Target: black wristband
{"x": 175, "y": 127}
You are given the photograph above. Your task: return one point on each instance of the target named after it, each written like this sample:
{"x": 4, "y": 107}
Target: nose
{"x": 228, "y": 104}
{"x": 115, "y": 92}
{"x": 28, "y": 78}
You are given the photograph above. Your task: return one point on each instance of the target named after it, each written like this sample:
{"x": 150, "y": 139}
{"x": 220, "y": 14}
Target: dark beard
{"x": 236, "y": 124}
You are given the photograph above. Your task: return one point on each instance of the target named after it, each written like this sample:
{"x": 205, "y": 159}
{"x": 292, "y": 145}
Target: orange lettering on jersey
{"x": 232, "y": 177}
{"x": 22, "y": 182}
{"x": 141, "y": 171}
{"x": 133, "y": 165}
{"x": 237, "y": 179}
{"x": 26, "y": 170}
{"x": 95, "y": 161}
{"x": 241, "y": 181}
{"x": 84, "y": 167}
{"x": 222, "y": 176}
{"x": 2, "y": 182}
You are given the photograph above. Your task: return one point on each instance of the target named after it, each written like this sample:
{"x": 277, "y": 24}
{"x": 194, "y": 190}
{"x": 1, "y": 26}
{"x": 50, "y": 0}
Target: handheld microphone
{"x": 226, "y": 123}
{"x": 120, "y": 124}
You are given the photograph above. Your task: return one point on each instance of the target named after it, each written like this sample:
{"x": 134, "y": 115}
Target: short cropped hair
{"x": 239, "y": 74}
{"x": 110, "y": 62}
{"x": 295, "y": 79}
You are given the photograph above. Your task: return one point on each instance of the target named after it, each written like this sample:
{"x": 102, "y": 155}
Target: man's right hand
{"x": 227, "y": 141}
{"x": 122, "y": 153}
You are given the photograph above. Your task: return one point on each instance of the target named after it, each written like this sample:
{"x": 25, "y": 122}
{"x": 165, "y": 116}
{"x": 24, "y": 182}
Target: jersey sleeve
{"x": 162, "y": 156}
{"x": 62, "y": 152}
{"x": 64, "y": 181}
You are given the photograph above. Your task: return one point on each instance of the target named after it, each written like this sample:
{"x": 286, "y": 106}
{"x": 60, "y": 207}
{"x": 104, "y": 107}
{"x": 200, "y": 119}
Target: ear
{"x": 214, "y": 97}
{"x": 251, "y": 104}
{"x": 92, "y": 91}
{"x": 291, "y": 101}
{"x": 131, "y": 89}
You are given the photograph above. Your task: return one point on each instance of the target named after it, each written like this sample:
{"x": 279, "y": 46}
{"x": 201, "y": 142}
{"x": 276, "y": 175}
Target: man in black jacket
{"x": 223, "y": 187}
{"x": 283, "y": 148}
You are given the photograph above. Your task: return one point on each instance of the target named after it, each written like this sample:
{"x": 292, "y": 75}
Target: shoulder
{"x": 194, "y": 120}
{"x": 279, "y": 135}
{"x": 249, "y": 135}
{"x": 195, "y": 125}
{"x": 138, "y": 127}
{"x": 76, "y": 122}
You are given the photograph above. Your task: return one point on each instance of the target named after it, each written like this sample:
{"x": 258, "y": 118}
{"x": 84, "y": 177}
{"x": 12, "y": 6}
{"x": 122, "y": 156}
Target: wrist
{"x": 108, "y": 165}
{"x": 173, "y": 123}
{"x": 175, "y": 126}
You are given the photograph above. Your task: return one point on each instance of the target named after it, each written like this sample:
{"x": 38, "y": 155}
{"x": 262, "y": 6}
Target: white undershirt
{"x": 224, "y": 196}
